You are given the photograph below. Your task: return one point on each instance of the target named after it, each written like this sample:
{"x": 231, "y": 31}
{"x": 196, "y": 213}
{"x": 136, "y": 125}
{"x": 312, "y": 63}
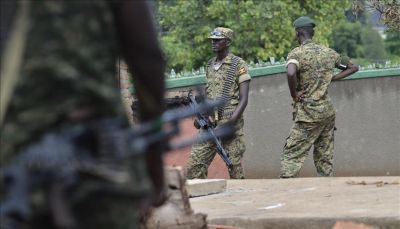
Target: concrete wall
{"x": 367, "y": 140}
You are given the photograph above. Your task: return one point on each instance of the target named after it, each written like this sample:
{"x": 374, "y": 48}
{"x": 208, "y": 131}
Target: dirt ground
{"x": 304, "y": 202}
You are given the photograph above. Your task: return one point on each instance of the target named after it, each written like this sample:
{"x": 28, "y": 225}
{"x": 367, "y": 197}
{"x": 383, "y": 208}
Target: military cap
{"x": 303, "y": 21}
{"x": 221, "y": 33}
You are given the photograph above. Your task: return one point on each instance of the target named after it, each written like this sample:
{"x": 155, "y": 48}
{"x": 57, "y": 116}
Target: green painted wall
{"x": 271, "y": 70}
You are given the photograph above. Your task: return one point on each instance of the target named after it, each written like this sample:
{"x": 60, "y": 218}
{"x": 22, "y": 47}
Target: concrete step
{"x": 202, "y": 187}
{"x": 312, "y": 203}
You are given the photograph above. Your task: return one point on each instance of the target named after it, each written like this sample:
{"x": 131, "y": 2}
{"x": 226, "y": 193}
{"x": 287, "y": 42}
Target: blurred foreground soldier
{"x": 227, "y": 77}
{"x": 310, "y": 69}
{"x": 68, "y": 81}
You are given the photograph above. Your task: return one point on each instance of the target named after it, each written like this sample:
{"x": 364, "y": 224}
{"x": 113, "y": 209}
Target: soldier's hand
{"x": 155, "y": 169}
{"x": 299, "y": 96}
{"x": 196, "y": 123}
{"x": 212, "y": 120}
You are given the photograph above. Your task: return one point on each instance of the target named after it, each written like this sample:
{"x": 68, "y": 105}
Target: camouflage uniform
{"x": 69, "y": 63}
{"x": 202, "y": 154}
{"x": 314, "y": 117}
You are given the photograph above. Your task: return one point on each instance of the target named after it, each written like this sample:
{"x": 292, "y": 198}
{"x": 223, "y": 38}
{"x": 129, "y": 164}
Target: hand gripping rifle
{"x": 203, "y": 122}
{"x": 61, "y": 158}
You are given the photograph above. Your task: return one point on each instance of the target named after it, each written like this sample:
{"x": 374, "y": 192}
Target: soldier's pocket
{"x": 294, "y": 111}
{"x": 241, "y": 146}
{"x": 294, "y": 137}
{"x": 236, "y": 149}
{"x": 288, "y": 143}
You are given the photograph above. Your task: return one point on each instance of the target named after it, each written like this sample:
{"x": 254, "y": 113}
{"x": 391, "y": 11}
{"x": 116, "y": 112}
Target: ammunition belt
{"x": 227, "y": 85}
{"x": 227, "y": 114}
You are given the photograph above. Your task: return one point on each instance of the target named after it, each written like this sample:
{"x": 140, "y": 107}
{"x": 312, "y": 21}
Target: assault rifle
{"x": 203, "y": 122}
{"x": 62, "y": 158}
{"x": 169, "y": 103}
{"x": 176, "y": 101}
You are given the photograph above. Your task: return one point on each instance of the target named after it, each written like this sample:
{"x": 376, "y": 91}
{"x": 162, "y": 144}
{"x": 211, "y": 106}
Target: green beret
{"x": 221, "y": 33}
{"x": 303, "y": 21}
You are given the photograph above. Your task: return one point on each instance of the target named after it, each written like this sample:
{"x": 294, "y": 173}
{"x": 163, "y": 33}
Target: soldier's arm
{"x": 244, "y": 85}
{"x": 140, "y": 48}
{"x": 292, "y": 79}
{"x": 343, "y": 63}
{"x": 292, "y": 82}
{"x": 244, "y": 97}
{"x": 347, "y": 71}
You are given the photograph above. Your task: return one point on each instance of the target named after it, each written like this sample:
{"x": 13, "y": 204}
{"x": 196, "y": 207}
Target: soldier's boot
{"x": 236, "y": 172}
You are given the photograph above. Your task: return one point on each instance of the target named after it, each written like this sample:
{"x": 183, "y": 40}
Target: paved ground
{"x": 304, "y": 202}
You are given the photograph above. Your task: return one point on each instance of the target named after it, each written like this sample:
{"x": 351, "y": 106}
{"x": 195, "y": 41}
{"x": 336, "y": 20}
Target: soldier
{"x": 234, "y": 88}
{"x": 67, "y": 80}
{"x": 310, "y": 70}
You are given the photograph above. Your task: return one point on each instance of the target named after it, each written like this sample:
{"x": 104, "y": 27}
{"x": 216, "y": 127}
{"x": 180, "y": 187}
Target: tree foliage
{"x": 374, "y": 48}
{"x": 263, "y": 28}
{"x": 358, "y": 41}
{"x": 389, "y": 11}
{"x": 392, "y": 44}
{"x": 346, "y": 38}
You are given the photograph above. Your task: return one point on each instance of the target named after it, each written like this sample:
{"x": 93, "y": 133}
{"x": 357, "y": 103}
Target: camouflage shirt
{"x": 315, "y": 64}
{"x": 217, "y": 77}
{"x": 69, "y": 62}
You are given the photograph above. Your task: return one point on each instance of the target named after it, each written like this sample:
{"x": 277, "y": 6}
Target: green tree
{"x": 346, "y": 38}
{"x": 389, "y": 11}
{"x": 358, "y": 41}
{"x": 392, "y": 43}
{"x": 263, "y": 28}
{"x": 374, "y": 48}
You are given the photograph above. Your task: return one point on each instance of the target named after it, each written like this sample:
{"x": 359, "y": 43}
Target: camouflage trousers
{"x": 302, "y": 136}
{"x": 202, "y": 155}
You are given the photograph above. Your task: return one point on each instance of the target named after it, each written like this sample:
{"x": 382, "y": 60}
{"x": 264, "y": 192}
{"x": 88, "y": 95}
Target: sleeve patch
{"x": 242, "y": 71}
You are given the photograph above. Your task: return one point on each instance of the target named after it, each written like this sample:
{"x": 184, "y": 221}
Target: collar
{"x": 307, "y": 41}
{"x": 227, "y": 59}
